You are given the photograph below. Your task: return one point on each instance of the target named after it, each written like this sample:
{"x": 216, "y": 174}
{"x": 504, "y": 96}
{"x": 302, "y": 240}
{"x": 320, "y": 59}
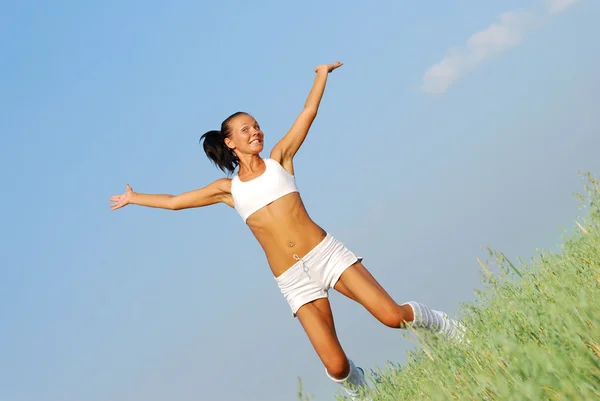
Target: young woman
{"x": 305, "y": 260}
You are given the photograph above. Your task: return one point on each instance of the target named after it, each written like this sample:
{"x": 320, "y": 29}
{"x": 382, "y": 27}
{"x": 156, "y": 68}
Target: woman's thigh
{"x": 317, "y": 320}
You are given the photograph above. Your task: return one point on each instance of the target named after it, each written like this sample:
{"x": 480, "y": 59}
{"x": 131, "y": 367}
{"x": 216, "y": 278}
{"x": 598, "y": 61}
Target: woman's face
{"x": 246, "y": 136}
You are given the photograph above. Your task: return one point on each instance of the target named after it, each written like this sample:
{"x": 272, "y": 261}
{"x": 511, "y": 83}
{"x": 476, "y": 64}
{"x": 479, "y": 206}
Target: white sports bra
{"x": 250, "y": 196}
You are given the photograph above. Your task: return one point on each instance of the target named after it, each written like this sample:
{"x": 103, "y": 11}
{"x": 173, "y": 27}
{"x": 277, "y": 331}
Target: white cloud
{"x": 493, "y": 40}
{"x": 557, "y": 6}
{"x": 483, "y": 45}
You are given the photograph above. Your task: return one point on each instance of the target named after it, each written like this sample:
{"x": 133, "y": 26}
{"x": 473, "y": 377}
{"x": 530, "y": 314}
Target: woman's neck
{"x": 250, "y": 163}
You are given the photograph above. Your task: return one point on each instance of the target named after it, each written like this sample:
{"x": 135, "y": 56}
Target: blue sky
{"x": 449, "y": 127}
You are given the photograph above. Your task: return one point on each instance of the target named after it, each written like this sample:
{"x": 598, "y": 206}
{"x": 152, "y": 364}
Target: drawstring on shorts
{"x": 304, "y": 267}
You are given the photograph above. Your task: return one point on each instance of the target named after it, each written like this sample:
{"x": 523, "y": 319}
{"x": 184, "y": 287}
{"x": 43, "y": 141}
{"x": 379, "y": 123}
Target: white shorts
{"x": 313, "y": 275}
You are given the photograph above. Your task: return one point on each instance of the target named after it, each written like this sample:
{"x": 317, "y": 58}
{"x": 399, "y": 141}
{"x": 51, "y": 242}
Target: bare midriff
{"x": 284, "y": 229}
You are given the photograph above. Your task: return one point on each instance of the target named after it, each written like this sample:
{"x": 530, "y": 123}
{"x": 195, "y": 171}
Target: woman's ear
{"x": 229, "y": 143}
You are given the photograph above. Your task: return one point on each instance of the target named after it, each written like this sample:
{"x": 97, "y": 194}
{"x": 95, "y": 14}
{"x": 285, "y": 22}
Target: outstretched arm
{"x": 216, "y": 192}
{"x": 286, "y": 148}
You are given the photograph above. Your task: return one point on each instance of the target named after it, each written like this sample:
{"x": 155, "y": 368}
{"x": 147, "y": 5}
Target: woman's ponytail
{"x": 216, "y": 149}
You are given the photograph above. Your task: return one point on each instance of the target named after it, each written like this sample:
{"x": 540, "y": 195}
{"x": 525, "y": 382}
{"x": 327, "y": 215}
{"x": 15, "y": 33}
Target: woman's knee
{"x": 337, "y": 367}
{"x": 395, "y": 316}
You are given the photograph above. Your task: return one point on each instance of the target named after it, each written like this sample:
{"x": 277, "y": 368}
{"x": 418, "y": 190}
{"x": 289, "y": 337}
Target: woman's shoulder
{"x": 286, "y": 164}
{"x": 222, "y": 184}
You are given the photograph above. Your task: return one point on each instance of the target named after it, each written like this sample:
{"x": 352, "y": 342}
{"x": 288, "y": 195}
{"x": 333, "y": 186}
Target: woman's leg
{"x": 317, "y": 320}
{"x": 359, "y": 285}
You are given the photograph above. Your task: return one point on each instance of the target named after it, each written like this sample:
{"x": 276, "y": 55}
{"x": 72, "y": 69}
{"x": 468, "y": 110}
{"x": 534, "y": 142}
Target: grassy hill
{"x": 533, "y": 333}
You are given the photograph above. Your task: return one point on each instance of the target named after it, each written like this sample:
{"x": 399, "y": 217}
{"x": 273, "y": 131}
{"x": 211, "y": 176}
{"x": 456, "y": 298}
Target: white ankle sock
{"x": 351, "y": 383}
{"x": 434, "y": 321}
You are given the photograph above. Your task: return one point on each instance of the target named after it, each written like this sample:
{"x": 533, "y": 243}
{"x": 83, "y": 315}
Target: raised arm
{"x": 216, "y": 192}
{"x": 286, "y": 148}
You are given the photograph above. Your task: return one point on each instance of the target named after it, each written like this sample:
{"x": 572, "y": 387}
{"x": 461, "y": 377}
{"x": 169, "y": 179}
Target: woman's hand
{"x": 328, "y": 67}
{"x": 121, "y": 200}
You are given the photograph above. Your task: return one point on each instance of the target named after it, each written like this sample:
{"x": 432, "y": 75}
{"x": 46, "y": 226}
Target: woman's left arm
{"x": 285, "y": 150}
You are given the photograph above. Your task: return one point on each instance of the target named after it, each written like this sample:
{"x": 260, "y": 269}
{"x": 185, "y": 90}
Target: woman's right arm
{"x": 216, "y": 192}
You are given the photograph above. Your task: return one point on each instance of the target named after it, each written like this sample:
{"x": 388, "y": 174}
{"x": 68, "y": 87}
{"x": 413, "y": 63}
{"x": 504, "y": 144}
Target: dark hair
{"x": 216, "y": 149}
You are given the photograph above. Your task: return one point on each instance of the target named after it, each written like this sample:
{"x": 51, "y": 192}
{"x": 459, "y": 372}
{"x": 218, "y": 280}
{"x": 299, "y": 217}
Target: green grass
{"x": 533, "y": 332}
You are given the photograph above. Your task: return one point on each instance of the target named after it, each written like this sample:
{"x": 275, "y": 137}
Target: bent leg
{"x": 317, "y": 320}
{"x": 359, "y": 285}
